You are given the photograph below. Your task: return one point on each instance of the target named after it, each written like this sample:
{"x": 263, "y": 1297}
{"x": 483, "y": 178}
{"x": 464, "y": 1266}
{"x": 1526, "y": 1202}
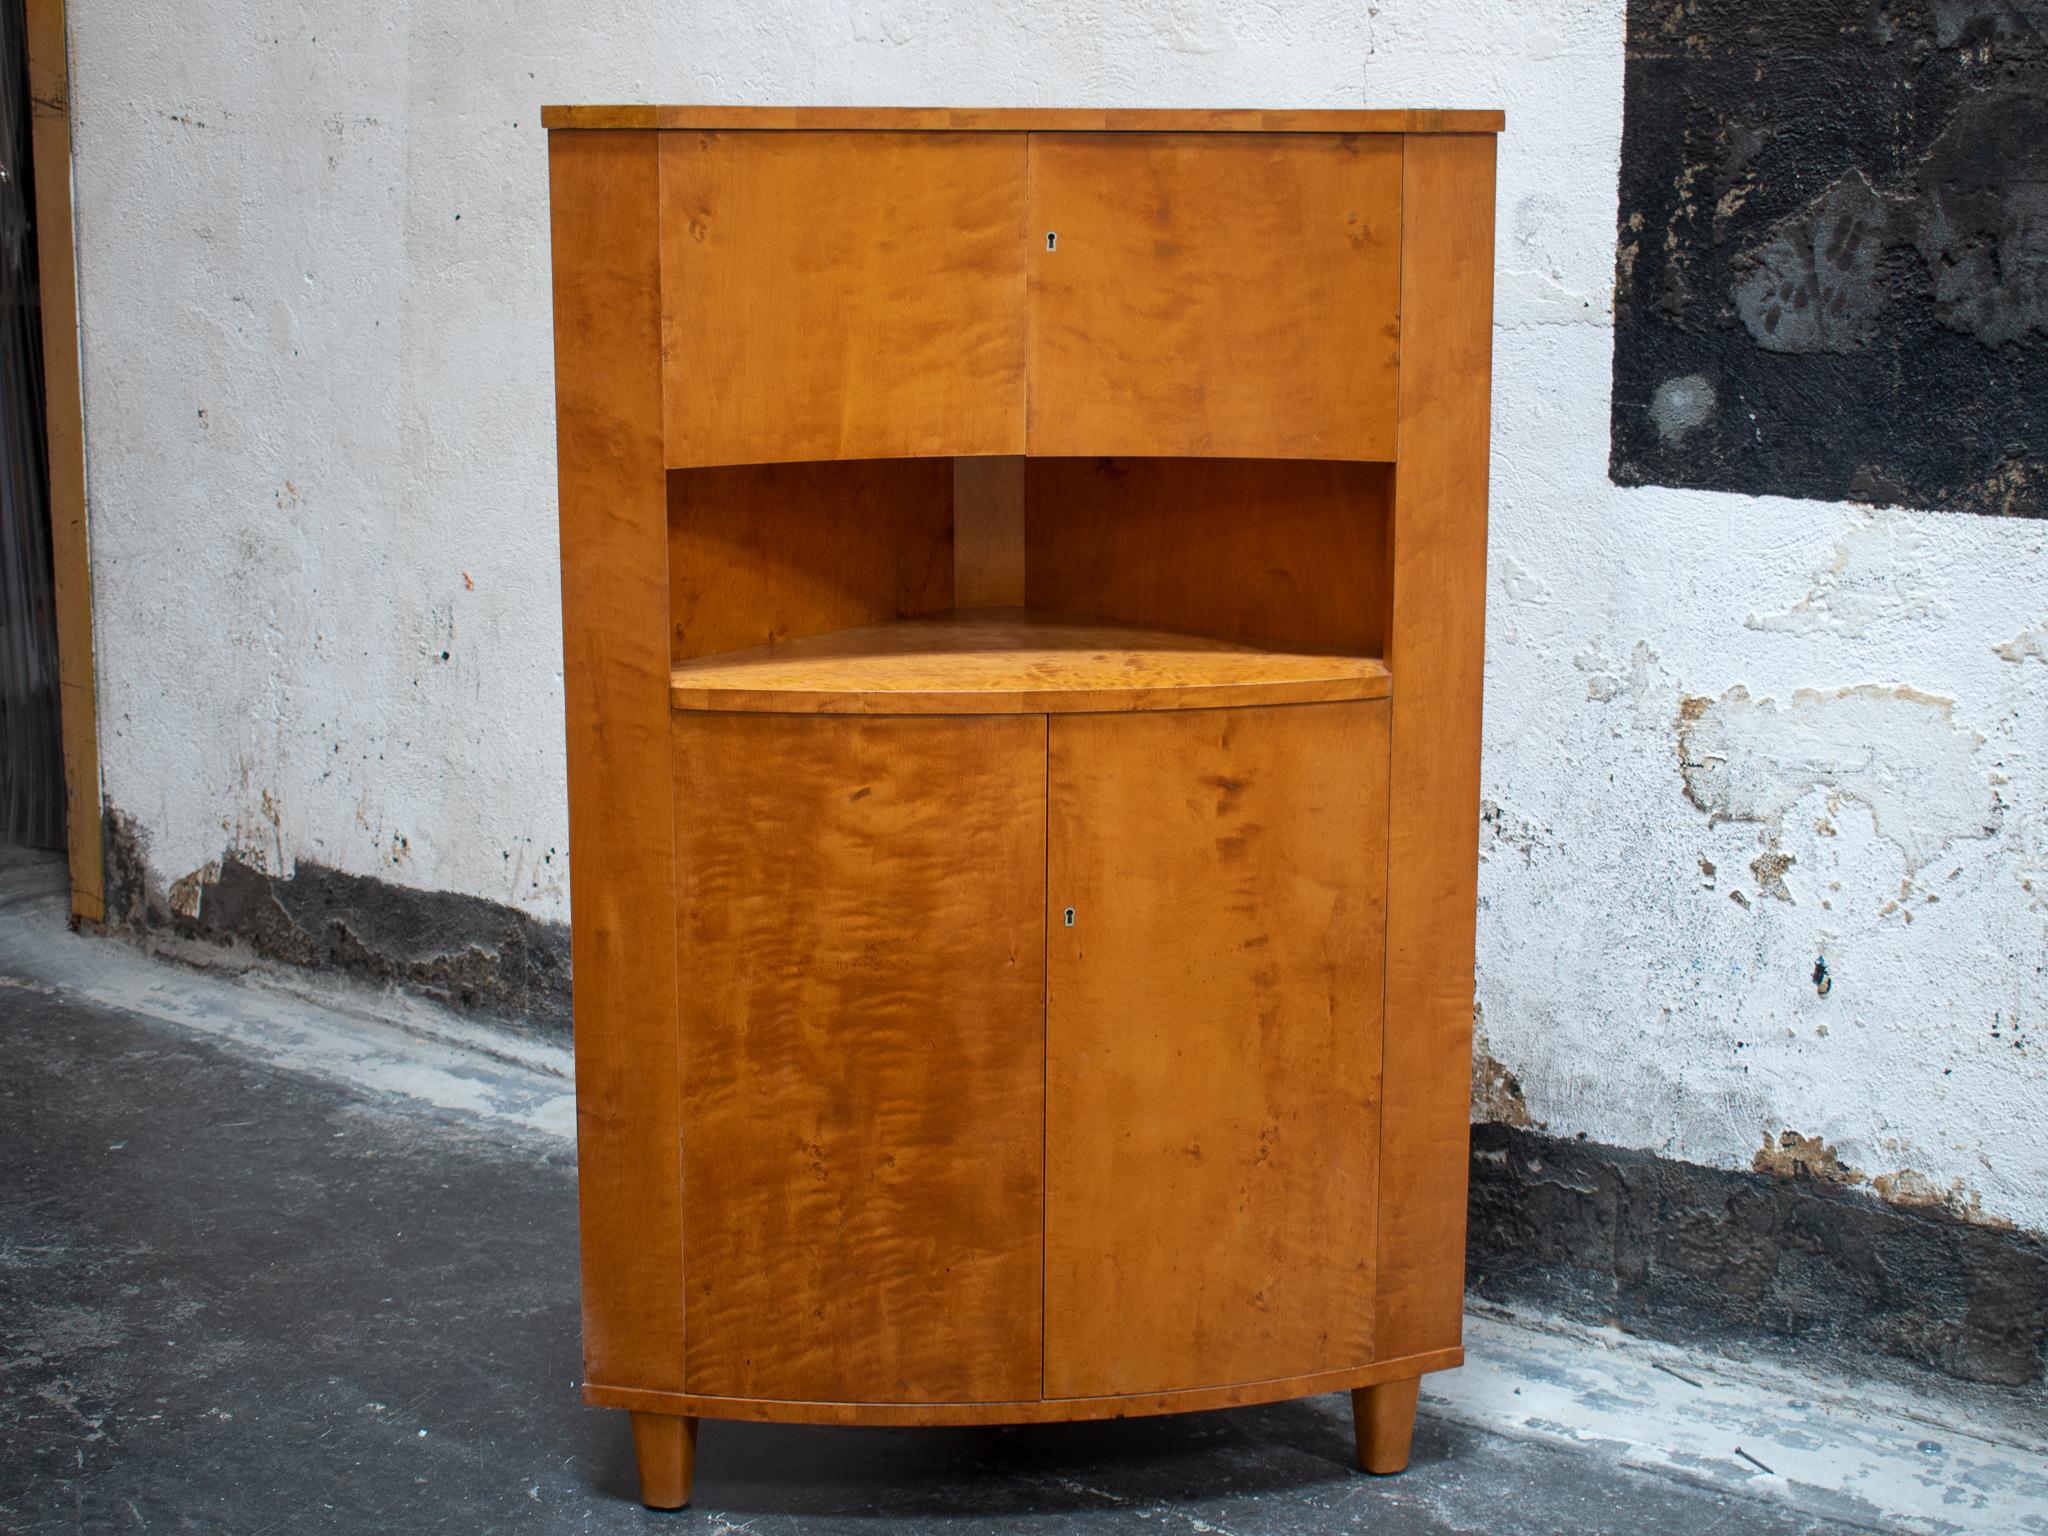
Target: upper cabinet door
{"x": 842, "y": 295}
{"x": 1215, "y": 294}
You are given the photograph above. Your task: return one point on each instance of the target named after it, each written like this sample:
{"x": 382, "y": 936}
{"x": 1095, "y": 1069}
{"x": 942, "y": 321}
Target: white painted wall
{"x": 312, "y": 249}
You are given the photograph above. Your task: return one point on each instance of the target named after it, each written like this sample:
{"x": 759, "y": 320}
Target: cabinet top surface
{"x": 1015, "y": 661}
{"x": 1031, "y": 119}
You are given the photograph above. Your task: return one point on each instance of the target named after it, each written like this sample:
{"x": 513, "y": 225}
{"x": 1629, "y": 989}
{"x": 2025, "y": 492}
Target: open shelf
{"x": 981, "y": 661}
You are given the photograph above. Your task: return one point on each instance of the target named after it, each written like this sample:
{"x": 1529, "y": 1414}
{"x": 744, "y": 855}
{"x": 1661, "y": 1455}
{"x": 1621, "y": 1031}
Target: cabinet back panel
{"x": 860, "y": 910}
{"x": 759, "y": 553}
{"x": 842, "y": 295}
{"x": 988, "y": 532}
{"x": 1212, "y": 1044}
{"x": 1290, "y": 550}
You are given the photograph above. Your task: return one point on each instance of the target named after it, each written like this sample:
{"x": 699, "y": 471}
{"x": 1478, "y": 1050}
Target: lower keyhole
{"x": 1070, "y": 917}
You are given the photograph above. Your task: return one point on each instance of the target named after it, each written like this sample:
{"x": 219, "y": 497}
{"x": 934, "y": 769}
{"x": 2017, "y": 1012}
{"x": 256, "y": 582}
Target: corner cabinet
{"x": 1023, "y": 579}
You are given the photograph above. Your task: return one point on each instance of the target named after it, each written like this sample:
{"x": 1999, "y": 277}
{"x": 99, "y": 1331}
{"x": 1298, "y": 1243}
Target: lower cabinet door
{"x": 860, "y": 921}
{"x": 1216, "y": 911}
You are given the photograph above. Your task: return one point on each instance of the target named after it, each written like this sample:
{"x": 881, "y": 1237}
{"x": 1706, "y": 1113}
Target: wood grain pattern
{"x": 860, "y": 912}
{"x": 1438, "y": 656}
{"x": 761, "y": 553}
{"x": 1285, "y": 550}
{"x": 615, "y": 663}
{"x": 988, "y": 532}
{"x": 1233, "y": 295}
{"x": 853, "y": 295}
{"x": 1012, "y": 661}
{"x": 1212, "y": 1045}
{"x": 49, "y": 76}
{"x": 1031, "y": 119}
{"x": 1031, "y": 1410}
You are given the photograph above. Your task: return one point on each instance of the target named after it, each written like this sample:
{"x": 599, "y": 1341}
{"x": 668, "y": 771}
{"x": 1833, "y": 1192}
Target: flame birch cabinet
{"x": 1022, "y": 579}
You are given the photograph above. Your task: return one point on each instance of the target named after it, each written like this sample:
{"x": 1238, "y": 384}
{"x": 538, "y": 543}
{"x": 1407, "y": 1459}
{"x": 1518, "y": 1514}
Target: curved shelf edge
{"x": 1054, "y": 1410}
{"x": 1015, "y": 661}
{"x": 1054, "y": 701}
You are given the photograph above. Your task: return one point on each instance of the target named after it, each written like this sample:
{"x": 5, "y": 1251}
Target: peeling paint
{"x": 1881, "y": 573}
{"x": 1914, "y": 1190}
{"x": 1608, "y": 681}
{"x": 1522, "y": 584}
{"x": 1769, "y": 869}
{"x": 188, "y": 894}
{"x": 1793, "y": 1156}
{"x": 1892, "y": 748}
{"x": 1496, "y": 1092}
{"x": 2027, "y": 645}
{"x": 1502, "y": 830}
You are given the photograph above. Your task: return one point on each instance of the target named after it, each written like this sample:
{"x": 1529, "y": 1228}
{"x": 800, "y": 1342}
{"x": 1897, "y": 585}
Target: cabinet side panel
{"x": 1214, "y": 294}
{"x": 1212, "y": 1044}
{"x": 762, "y": 553}
{"x": 1437, "y": 653}
{"x": 861, "y": 906}
{"x": 49, "y": 97}
{"x": 615, "y": 676}
{"x": 853, "y": 295}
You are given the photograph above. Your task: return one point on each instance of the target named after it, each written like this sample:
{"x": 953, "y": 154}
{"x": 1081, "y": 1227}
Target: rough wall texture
{"x": 1766, "y": 822}
{"x": 1785, "y": 1258}
{"x": 458, "y": 950}
{"x": 1832, "y": 271}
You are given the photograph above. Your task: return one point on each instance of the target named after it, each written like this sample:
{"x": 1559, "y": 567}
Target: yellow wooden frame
{"x": 49, "y": 77}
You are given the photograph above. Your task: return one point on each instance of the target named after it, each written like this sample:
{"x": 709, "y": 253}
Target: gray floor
{"x": 237, "y": 1297}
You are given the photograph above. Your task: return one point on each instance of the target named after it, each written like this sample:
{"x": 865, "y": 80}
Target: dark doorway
{"x": 31, "y": 751}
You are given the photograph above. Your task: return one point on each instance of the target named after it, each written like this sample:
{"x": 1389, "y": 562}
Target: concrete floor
{"x": 269, "y": 1265}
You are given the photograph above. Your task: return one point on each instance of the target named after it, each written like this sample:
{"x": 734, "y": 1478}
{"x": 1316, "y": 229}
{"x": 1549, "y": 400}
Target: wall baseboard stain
{"x": 1674, "y": 1251}
{"x": 468, "y": 953}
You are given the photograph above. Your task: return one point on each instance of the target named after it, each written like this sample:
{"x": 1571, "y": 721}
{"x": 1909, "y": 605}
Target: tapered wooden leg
{"x": 1384, "y": 1417}
{"x": 666, "y": 1447}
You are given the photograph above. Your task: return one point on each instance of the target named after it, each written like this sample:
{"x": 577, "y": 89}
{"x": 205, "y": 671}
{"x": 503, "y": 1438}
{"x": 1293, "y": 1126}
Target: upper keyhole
{"x": 1052, "y": 239}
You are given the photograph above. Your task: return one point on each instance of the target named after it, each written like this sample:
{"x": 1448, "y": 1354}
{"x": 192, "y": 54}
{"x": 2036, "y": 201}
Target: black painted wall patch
{"x": 1832, "y": 270}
